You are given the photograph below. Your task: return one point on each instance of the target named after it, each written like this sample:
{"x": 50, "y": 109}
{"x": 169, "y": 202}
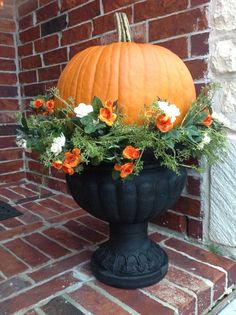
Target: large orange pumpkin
{"x": 134, "y": 74}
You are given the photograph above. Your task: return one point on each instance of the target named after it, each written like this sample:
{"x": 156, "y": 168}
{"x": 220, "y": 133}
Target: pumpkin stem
{"x": 123, "y": 28}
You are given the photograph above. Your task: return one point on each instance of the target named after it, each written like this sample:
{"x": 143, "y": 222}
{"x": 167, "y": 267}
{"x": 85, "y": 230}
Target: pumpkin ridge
{"x": 82, "y": 76}
{"x": 99, "y": 58}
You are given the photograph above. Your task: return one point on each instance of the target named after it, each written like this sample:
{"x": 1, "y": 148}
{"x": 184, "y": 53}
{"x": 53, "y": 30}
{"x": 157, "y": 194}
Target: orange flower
{"x": 208, "y": 120}
{"x": 68, "y": 169}
{"x": 117, "y": 167}
{"x": 76, "y": 151}
{"x": 71, "y": 159}
{"x": 107, "y": 116}
{"x": 131, "y": 153}
{"x": 108, "y": 104}
{"x": 163, "y": 122}
{"x": 126, "y": 169}
{"x": 50, "y": 105}
{"x": 38, "y": 103}
{"x": 57, "y": 164}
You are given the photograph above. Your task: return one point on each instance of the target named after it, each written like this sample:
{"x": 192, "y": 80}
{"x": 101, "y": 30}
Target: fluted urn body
{"x": 128, "y": 259}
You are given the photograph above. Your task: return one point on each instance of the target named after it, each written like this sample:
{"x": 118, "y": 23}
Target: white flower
{"x": 206, "y": 140}
{"x": 22, "y": 143}
{"x": 83, "y": 110}
{"x": 170, "y": 110}
{"x": 57, "y": 144}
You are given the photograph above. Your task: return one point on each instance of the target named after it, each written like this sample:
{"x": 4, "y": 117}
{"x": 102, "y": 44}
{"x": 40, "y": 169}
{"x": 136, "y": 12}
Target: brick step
{"x": 44, "y": 265}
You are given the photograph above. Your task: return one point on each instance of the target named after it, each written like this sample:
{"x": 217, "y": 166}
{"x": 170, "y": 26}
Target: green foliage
{"x": 99, "y": 142}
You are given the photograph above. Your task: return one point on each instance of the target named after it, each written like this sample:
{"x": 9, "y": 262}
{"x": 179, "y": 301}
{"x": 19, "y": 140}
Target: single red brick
{"x": 196, "y": 285}
{"x": 37, "y": 294}
{"x": 54, "y": 205}
{"x": 48, "y": 11}
{"x": 13, "y": 154}
{"x": 49, "y": 73}
{"x": 23, "y": 229}
{"x": 6, "y": 39}
{"x": 34, "y": 177}
{"x": 95, "y": 302}
{"x": 137, "y": 300}
{"x": 55, "y": 56}
{"x": 69, "y": 4}
{"x": 172, "y": 220}
{"x": 81, "y": 46}
{"x": 193, "y": 185}
{"x": 26, "y": 22}
{"x": 197, "y": 68}
{"x": 7, "y": 64}
{"x": 83, "y": 231}
{"x": 84, "y": 13}
{"x": 27, "y": 76}
{"x": 7, "y": 26}
{"x": 178, "y": 46}
{"x": 151, "y": 8}
{"x": 66, "y": 216}
{"x": 95, "y": 223}
{"x": 58, "y": 267}
{"x": 9, "y": 265}
{"x": 194, "y": 228}
{"x": 31, "y": 62}
{"x": 188, "y": 206}
{"x": 76, "y": 34}
{"x": 67, "y": 200}
{"x": 34, "y": 89}
{"x": 30, "y": 34}
{"x": 7, "y": 78}
{"x": 9, "y": 104}
{"x": 106, "y": 23}
{"x": 26, "y": 252}
{"x": 39, "y": 210}
{"x": 12, "y": 166}
{"x": 12, "y": 177}
{"x": 13, "y": 196}
{"x": 199, "y": 44}
{"x": 25, "y": 50}
{"x": 46, "y": 43}
{"x": 56, "y": 184}
{"x": 54, "y": 172}
{"x": 8, "y": 142}
{"x": 7, "y": 52}
{"x": 205, "y": 256}
{"x": 198, "y": 2}
{"x": 50, "y": 84}
{"x": 37, "y": 167}
{"x": 13, "y": 285}
{"x": 7, "y": 117}
{"x": 184, "y": 302}
{"x": 7, "y": 12}
{"x": 46, "y": 245}
{"x": 115, "y": 5}
{"x": 27, "y": 7}
{"x": 195, "y": 267}
{"x": 157, "y": 237}
{"x": 182, "y": 23}
{"x": 66, "y": 239}
{"x": 11, "y": 223}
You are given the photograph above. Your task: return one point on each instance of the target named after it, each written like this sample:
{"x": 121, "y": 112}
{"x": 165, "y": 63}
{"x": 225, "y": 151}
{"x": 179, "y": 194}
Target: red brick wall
{"x": 11, "y": 161}
{"x": 51, "y": 32}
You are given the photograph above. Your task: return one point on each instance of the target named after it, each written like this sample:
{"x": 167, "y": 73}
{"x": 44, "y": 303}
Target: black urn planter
{"x": 128, "y": 259}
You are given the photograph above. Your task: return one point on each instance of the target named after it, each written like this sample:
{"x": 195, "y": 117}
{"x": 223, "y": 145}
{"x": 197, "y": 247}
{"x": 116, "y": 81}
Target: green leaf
{"x": 24, "y": 123}
{"x": 97, "y": 104}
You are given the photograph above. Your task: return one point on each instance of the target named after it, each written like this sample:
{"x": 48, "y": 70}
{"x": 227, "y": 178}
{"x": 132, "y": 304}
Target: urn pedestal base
{"x": 129, "y": 259}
